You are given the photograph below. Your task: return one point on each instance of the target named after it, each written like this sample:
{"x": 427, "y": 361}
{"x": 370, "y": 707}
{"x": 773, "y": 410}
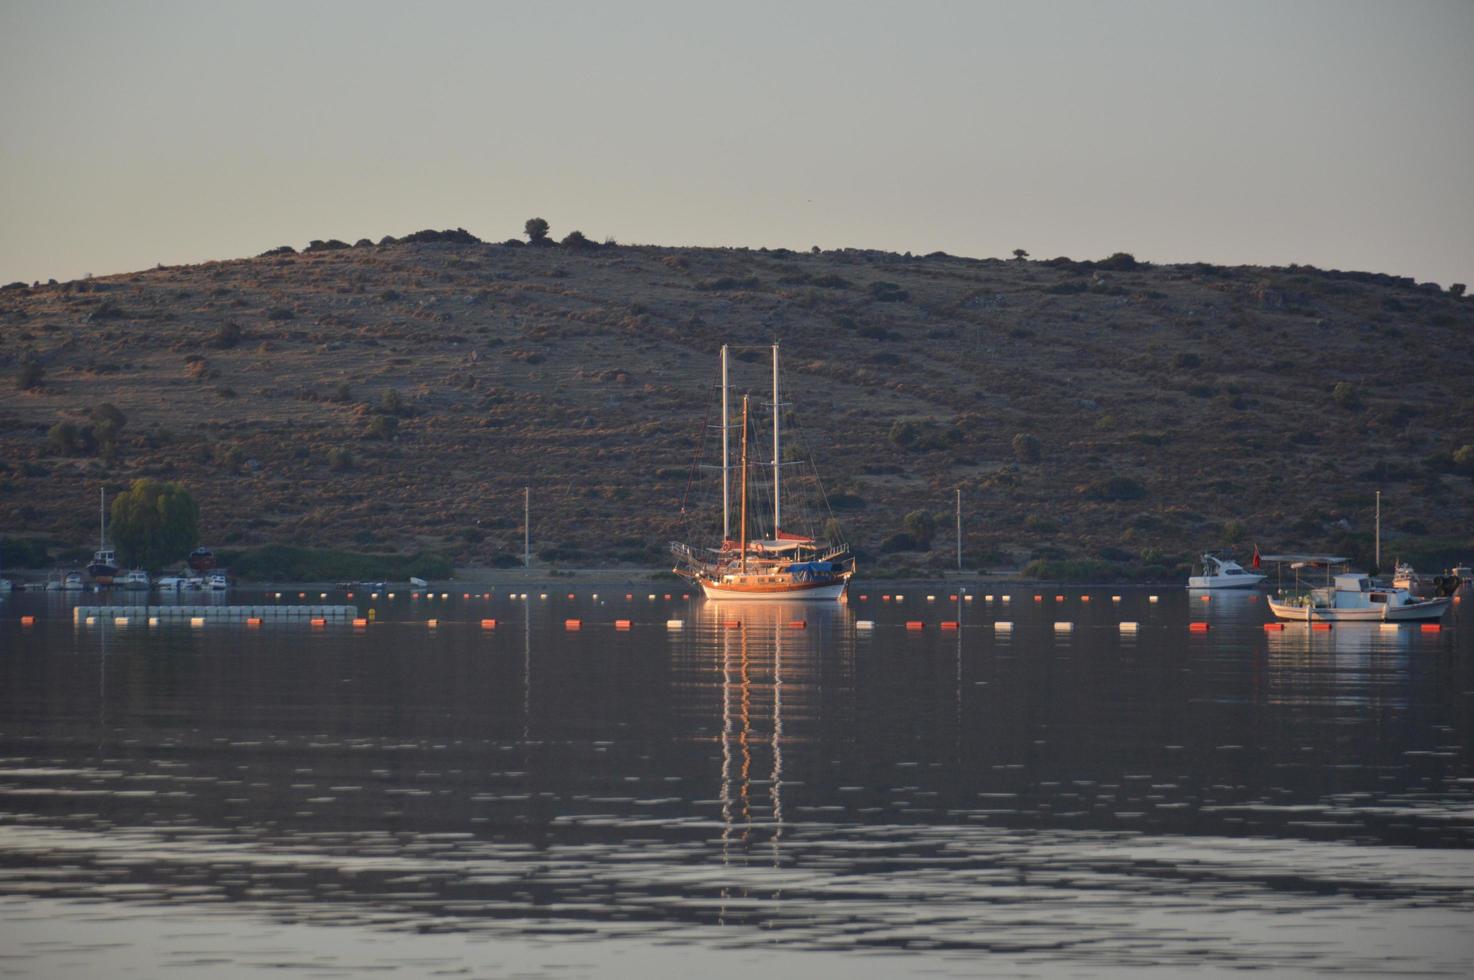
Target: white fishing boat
{"x": 1352, "y": 597}
{"x": 216, "y": 582}
{"x": 1224, "y": 573}
{"x": 135, "y": 578}
{"x": 761, "y": 562}
{"x": 1404, "y": 577}
{"x": 169, "y": 583}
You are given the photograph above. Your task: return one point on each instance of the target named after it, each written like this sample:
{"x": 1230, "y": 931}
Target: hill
{"x": 399, "y": 396}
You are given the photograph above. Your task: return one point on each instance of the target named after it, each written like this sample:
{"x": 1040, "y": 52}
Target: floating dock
{"x": 142, "y": 615}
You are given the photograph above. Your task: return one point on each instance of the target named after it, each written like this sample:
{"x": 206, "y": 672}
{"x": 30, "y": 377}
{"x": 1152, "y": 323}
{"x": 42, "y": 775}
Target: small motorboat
{"x": 1354, "y": 598}
{"x": 217, "y": 582}
{"x": 201, "y": 560}
{"x": 135, "y": 578}
{"x": 1223, "y": 573}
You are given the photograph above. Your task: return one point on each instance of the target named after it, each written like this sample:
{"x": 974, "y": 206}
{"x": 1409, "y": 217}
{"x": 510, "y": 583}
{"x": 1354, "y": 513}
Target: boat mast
{"x": 726, "y": 458}
{"x": 742, "y": 566}
{"x": 777, "y": 458}
{"x": 526, "y": 527}
{"x": 101, "y": 519}
{"x": 1378, "y": 559}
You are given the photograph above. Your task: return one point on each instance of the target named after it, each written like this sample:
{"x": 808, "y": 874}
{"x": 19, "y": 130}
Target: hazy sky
{"x": 1331, "y": 133}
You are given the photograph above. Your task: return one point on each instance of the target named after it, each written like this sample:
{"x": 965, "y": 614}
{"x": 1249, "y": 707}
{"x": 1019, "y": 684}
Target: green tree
{"x": 107, "y": 426}
{"x": 1026, "y": 448}
{"x": 537, "y": 230}
{"x": 155, "y": 523}
{"x": 921, "y": 525}
{"x": 30, "y": 373}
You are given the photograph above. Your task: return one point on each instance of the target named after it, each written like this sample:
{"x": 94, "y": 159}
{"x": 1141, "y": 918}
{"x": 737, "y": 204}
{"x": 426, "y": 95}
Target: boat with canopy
{"x": 762, "y": 561}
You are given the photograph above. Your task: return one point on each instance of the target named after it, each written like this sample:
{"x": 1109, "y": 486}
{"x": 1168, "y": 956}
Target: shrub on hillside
{"x": 921, "y": 526}
{"x": 1114, "y": 488}
{"x": 1118, "y": 262}
{"x": 536, "y": 230}
{"x": 383, "y": 427}
{"x": 1026, "y": 448}
{"x": 30, "y": 372}
{"x": 1346, "y": 395}
{"x": 887, "y": 292}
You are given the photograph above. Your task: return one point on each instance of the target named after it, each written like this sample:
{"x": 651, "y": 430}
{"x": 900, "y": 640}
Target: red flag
{"x": 1255, "y": 562}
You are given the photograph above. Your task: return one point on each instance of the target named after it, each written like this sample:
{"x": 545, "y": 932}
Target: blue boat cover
{"x": 803, "y": 571}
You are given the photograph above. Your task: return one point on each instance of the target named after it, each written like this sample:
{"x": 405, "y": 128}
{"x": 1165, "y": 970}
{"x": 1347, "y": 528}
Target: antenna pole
{"x": 726, "y": 457}
{"x": 1378, "y": 559}
{"x": 526, "y": 527}
{"x": 959, "y": 529}
{"x": 777, "y": 459}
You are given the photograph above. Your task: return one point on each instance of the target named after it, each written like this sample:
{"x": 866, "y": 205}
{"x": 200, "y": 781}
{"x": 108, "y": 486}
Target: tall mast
{"x": 526, "y": 527}
{"x": 959, "y": 529}
{"x": 101, "y": 518}
{"x": 777, "y": 458}
{"x": 726, "y": 458}
{"x": 1378, "y": 559}
{"x": 742, "y": 566}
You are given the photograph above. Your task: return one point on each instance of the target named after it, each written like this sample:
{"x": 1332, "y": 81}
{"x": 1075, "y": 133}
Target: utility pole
{"x": 526, "y": 527}
{"x": 1378, "y": 559}
{"x": 959, "y": 529}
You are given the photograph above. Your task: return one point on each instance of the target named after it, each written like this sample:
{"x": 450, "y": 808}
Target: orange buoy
{"x": 1198, "y": 627}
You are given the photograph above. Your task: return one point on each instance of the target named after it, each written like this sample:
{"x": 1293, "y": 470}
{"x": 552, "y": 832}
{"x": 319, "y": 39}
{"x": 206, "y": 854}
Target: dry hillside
{"x": 399, "y": 396}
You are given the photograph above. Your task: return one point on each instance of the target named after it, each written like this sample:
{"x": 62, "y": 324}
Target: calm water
{"x": 737, "y": 796}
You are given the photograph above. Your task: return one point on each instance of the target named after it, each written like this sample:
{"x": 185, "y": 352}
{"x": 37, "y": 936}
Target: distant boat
{"x": 135, "y": 578}
{"x": 779, "y": 564}
{"x": 217, "y": 582}
{"x": 201, "y": 560}
{"x": 418, "y": 582}
{"x": 169, "y": 583}
{"x": 1224, "y": 573}
{"x": 1353, "y": 597}
{"x": 1403, "y": 577}
{"x": 66, "y": 582}
{"x": 104, "y": 566}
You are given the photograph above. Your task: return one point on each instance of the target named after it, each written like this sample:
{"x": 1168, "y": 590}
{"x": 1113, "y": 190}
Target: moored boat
{"x": 1224, "y": 573}
{"x": 1354, "y": 597}
{"x": 201, "y": 560}
{"x": 773, "y": 563}
{"x": 104, "y": 565}
{"x": 135, "y": 578}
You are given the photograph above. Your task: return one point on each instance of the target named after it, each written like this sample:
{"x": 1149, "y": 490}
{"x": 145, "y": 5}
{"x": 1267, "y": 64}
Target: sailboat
{"x": 781, "y": 565}
{"x": 104, "y": 566}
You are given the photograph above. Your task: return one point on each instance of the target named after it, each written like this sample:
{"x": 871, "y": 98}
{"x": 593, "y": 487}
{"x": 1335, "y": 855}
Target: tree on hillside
{"x": 155, "y": 523}
{"x": 921, "y": 525}
{"x": 1020, "y": 254}
{"x": 537, "y": 230}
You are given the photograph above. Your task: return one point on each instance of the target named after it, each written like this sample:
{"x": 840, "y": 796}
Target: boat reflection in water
{"x": 770, "y": 662}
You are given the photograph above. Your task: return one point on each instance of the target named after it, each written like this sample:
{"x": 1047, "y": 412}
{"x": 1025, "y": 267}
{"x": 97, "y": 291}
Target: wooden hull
{"x": 796, "y": 591}
{"x": 1431, "y": 609}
